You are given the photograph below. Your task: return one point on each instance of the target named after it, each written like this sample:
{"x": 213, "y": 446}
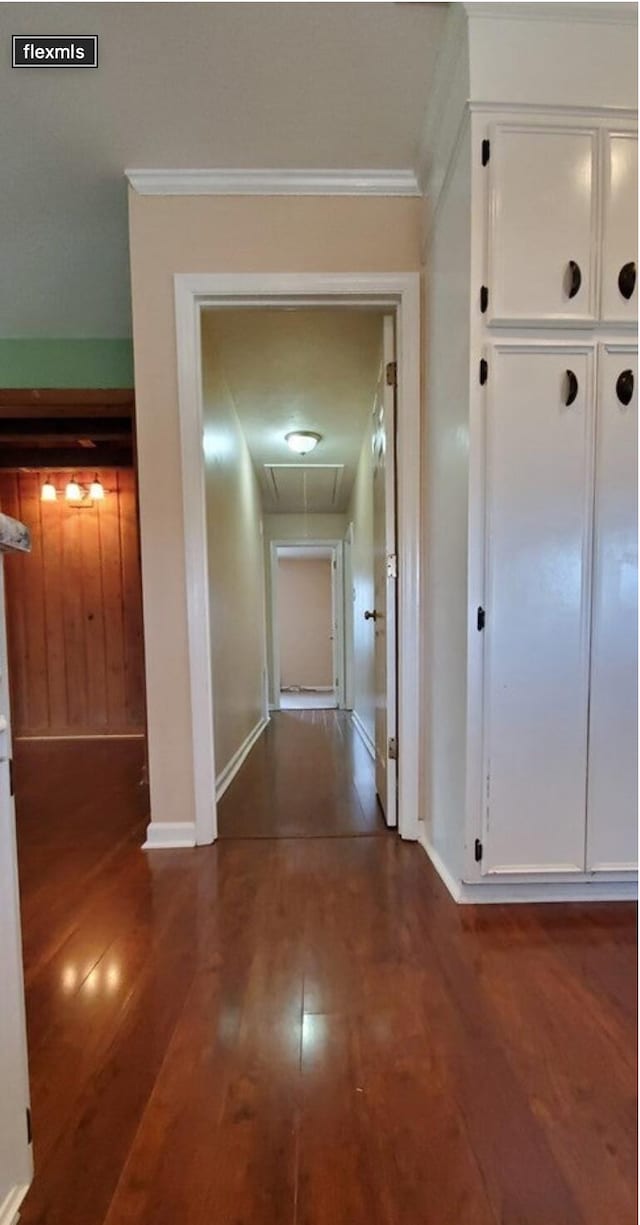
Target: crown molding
{"x": 555, "y": 10}
{"x": 273, "y": 182}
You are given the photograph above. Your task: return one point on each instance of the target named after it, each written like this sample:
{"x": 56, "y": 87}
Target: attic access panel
{"x": 302, "y": 488}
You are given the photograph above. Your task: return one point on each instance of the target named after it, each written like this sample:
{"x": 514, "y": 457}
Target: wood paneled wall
{"x": 74, "y": 610}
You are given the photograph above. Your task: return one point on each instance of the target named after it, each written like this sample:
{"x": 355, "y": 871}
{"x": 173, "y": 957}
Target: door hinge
{"x": 478, "y": 851}
{"x": 486, "y": 151}
{"x": 392, "y": 374}
{"x": 484, "y": 371}
{"x": 11, "y": 791}
{"x": 393, "y": 749}
{"x": 484, "y": 298}
{"x": 29, "y": 1131}
{"x": 481, "y": 618}
{"x": 392, "y": 565}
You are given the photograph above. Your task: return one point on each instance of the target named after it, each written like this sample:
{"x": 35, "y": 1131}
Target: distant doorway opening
{"x": 308, "y": 625}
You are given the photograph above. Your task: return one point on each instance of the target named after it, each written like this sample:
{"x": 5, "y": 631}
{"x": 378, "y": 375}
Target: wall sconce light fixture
{"x": 81, "y": 495}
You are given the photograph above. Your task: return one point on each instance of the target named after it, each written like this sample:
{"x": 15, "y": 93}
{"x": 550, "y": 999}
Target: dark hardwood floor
{"x": 308, "y": 776}
{"x": 307, "y": 1030}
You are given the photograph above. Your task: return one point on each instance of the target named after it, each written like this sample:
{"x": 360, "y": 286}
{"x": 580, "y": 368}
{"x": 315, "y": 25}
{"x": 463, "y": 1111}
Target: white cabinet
{"x": 539, "y": 427}
{"x": 613, "y": 732}
{"x": 542, "y": 224}
{"x": 620, "y": 233}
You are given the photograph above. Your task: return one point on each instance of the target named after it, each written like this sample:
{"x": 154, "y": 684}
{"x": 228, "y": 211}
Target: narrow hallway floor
{"x": 308, "y": 776}
{"x": 308, "y": 1031}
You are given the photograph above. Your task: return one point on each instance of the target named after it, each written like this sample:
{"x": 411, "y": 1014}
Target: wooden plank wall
{"x": 74, "y": 610}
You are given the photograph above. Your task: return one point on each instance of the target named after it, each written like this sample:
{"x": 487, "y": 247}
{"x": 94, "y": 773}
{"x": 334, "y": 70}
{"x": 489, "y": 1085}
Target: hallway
{"x": 304, "y": 1029}
{"x": 308, "y": 776}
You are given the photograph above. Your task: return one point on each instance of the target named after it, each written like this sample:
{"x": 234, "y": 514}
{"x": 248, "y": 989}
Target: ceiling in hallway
{"x": 211, "y": 85}
{"x": 307, "y": 370}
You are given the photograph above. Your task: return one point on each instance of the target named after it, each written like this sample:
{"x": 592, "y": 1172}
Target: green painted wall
{"x": 66, "y": 363}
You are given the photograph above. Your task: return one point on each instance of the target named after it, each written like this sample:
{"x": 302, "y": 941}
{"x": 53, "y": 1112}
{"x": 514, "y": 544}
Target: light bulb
{"x": 73, "y": 493}
{"x": 302, "y": 441}
{"x": 96, "y": 489}
{"x": 48, "y": 491}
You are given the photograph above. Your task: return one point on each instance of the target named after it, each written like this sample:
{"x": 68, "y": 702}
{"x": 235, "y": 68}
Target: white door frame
{"x": 400, "y": 293}
{"x": 347, "y": 613}
{"x": 337, "y": 612}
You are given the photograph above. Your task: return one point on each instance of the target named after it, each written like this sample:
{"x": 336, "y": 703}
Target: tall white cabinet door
{"x": 543, "y": 224}
{"x": 613, "y": 730}
{"x": 539, "y": 483}
{"x": 620, "y": 247}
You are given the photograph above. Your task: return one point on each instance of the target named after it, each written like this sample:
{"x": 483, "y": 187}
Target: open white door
{"x": 385, "y": 576}
{"x": 15, "y": 1149}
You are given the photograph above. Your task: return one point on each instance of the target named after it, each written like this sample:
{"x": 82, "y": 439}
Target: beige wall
{"x": 236, "y": 566}
{"x": 305, "y": 618}
{"x": 361, "y": 517}
{"x": 216, "y": 234}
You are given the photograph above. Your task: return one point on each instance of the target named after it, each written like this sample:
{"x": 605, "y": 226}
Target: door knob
{"x": 371, "y": 615}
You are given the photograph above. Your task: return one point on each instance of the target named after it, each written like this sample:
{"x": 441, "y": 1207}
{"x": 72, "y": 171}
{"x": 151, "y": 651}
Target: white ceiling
{"x": 336, "y": 86}
{"x": 300, "y": 369}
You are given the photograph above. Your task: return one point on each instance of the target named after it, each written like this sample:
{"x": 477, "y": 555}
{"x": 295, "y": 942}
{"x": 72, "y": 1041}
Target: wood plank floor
{"x": 308, "y": 776}
{"x": 306, "y": 1030}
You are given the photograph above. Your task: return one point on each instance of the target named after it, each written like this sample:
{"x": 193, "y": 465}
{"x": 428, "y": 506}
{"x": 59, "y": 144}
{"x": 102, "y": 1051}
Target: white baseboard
{"x": 489, "y": 892}
{"x": 445, "y": 875}
{"x": 226, "y": 776}
{"x": 548, "y": 891}
{"x": 168, "y": 835}
{"x": 11, "y": 1204}
{"x": 294, "y": 689}
{"x": 363, "y": 733}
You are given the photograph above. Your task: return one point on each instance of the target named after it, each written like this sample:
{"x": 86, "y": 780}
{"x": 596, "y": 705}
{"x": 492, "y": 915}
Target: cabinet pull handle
{"x": 624, "y": 387}
{"x": 572, "y": 388}
{"x": 627, "y": 280}
{"x": 575, "y": 278}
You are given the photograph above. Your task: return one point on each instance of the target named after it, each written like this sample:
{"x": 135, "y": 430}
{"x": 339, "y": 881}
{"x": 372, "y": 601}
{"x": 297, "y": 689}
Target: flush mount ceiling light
{"x": 302, "y": 441}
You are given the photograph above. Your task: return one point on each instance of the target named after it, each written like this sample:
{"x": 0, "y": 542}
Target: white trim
{"x": 563, "y": 110}
{"x": 189, "y": 362}
{"x": 166, "y": 835}
{"x": 226, "y": 776}
{"x": 401, "y": 293}
{"x": 467, "y": 894}
{"x": 607, "y": 13}
{"x": 265, "y": 182}
{"x": 363, "y": 733}
{"x": 9, "y": 1208}
{"x": 445, "y": 875}
{"x": 550, "y": 891}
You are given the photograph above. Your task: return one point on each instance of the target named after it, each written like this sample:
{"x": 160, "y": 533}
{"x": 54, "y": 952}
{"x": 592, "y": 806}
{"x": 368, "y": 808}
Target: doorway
{"x": 74, "y": 633}
{"x": 397, "y": 296}
{"x": 307, "y": 617}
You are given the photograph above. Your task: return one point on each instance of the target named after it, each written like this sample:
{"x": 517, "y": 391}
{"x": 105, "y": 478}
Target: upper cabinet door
{"x": 612, "y": 835}
{"x": 620, "y": 247}
{"x": 542, "y": 225}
